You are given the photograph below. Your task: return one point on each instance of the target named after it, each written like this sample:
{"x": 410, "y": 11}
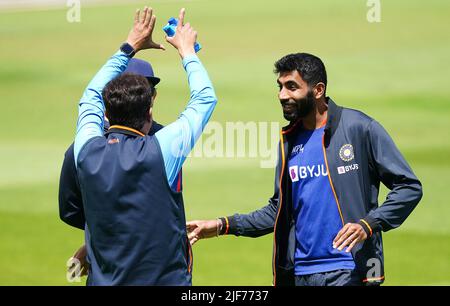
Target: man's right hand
{"x": 201, "y": 229}
{"x": 80, "y": 255}
{"x": 184, "y": 38}
{"x": 140, "y": 36}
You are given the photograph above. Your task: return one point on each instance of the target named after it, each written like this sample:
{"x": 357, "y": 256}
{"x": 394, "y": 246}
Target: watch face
{"x": 127, "y": 49}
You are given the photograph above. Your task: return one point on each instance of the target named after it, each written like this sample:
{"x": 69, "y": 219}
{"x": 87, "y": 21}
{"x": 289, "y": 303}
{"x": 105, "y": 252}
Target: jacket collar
{"x": 334, "y": 117}
{"x": 124, "y": 130}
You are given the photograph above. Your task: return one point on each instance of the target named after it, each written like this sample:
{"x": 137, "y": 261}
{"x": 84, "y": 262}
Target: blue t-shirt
{"x": 315, "y": 209}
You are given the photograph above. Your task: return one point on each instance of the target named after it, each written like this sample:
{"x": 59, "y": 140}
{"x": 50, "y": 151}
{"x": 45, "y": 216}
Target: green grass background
{"x": 397, "y": 71}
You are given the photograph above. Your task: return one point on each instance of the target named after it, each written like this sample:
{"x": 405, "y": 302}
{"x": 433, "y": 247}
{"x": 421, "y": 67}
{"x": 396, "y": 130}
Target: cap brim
{"x": 154, "y": 80}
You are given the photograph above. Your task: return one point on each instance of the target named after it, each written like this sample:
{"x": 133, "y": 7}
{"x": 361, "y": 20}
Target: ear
{"x": 319, "y": 90}
{"x": 150, "y": 114}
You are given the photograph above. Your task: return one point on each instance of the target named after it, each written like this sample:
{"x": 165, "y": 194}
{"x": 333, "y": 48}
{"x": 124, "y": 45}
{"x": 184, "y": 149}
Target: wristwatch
{"x": 128, "y": 50}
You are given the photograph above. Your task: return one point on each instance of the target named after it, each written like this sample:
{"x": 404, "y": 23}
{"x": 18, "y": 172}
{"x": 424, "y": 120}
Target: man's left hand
{"x": 349, "y": 236}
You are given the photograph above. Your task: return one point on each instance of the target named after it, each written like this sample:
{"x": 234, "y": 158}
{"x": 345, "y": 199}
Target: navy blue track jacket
{"x": 356, "y": 185}
{"x": 70, "y": 202}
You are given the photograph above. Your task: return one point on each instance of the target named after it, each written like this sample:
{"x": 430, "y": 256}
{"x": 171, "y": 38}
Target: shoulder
{"x": 355, "y": 118}
{"x": 357, "y": 115}
{"x": 155, "y": 128}
{"x": 69, "y": 152}
{"x": 93, "y": 144}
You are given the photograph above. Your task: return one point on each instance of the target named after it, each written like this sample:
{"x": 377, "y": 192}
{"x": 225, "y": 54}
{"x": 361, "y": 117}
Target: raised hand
{"x": 184, "y": 38}
{"x": 140, "y": 36}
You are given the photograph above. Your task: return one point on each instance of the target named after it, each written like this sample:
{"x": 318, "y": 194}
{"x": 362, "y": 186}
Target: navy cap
{"x": 141, "y": 67}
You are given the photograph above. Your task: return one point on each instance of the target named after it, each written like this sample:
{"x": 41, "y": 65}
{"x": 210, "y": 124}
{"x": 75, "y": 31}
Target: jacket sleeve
{"x": 177, "y": 139}
{"x": 91, "y": 109}
{"x": 70, "y": 201}
{"x": 259, "y": 222}
{"x": 395, "y": 173}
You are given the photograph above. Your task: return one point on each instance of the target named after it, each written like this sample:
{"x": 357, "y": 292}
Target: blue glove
{"x": 170, "y": 29}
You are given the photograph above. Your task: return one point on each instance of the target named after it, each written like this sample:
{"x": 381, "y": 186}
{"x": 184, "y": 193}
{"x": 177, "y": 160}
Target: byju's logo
{"x": 345, "y": 169}
{"x": 293, "y": 172}
{"x": 303, "y": 172}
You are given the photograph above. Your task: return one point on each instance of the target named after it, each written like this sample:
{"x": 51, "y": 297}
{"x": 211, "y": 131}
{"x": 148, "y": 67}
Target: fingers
{"x": 350, "y": 247}
{"x": 148, "y": 17}
{"x": 349, "y": 236}
{"x": 195, "y": 234}
{"x": 136, "y": 16}
{"x": 340, "y": 234}
{"x": 144, "y": 16}
{"x": 181, "y": 18}
{"x": 78, "y": 268}
{"x": 191, "y": 225}
{"x": 349, "y": 240}
{"x": 151, "y": 22}
{"x": 84, "y": 270}
{"x": 342, "y": 241}
{"x": 193, "y": 241}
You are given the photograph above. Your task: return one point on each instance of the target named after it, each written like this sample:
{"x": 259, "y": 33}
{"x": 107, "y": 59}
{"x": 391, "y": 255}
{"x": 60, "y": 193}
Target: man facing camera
{"x": 324, "y": 212}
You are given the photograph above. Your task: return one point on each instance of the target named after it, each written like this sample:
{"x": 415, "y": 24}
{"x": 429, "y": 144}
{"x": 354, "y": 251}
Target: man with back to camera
{"x": 135, "y": 224}
{"x": 69, "y": 198}
{"x": 324, "y": 212}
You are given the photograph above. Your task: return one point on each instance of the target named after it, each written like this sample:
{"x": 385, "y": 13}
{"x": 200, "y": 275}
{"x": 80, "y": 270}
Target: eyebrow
{"x": 289, "y": 83}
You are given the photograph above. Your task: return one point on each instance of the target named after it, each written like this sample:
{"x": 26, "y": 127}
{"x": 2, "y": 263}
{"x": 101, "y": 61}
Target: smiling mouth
{"x": 288, "y": 108}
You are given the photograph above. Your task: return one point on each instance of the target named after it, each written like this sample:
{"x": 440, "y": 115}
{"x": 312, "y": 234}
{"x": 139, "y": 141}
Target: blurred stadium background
{"x": 397, "y": 71}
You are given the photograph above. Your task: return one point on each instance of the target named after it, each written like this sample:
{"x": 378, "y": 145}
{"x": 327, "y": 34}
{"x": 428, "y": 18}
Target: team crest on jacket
{"x": 346, "y": 153}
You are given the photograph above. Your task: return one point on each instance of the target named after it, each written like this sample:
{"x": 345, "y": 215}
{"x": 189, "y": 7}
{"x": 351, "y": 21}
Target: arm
{"x": 91, "y": 108}
{"x": 255, "y": 224}
{"x": 178, "y": 138}
{"x": 259, "y": 222}
{"x": 91, "y": 111}
{"x": 397, "y": 175}
{"x": 70, "y": 201}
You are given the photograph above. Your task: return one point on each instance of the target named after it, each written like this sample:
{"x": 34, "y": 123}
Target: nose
{"x": 283, "y": 95}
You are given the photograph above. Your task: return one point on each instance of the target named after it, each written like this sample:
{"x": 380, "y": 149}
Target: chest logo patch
{"x": 346, "y": 153}
{"x": 113, "y": 141}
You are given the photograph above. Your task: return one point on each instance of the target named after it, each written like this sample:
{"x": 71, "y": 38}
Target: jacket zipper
{"x": 331, "y": 182}
{"x": 190, "y": 257}
{"x": 280, "y": 203}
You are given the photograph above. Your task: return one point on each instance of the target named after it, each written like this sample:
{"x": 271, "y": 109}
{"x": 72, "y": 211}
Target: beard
{"x": 298, "y": 109}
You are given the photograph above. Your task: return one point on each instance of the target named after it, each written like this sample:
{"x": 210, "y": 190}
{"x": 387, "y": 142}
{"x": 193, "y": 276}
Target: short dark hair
{"x": 310, "y": 67}
{"x": 128, "y": 99}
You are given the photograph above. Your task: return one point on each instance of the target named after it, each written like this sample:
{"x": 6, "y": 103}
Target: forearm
{"x": 399, "y": 204}
{"x": 254, "y": 224}
{"x": 395, "y": 173}
{"x": 178, "y": 138}
{"x": 91, "y": 108}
